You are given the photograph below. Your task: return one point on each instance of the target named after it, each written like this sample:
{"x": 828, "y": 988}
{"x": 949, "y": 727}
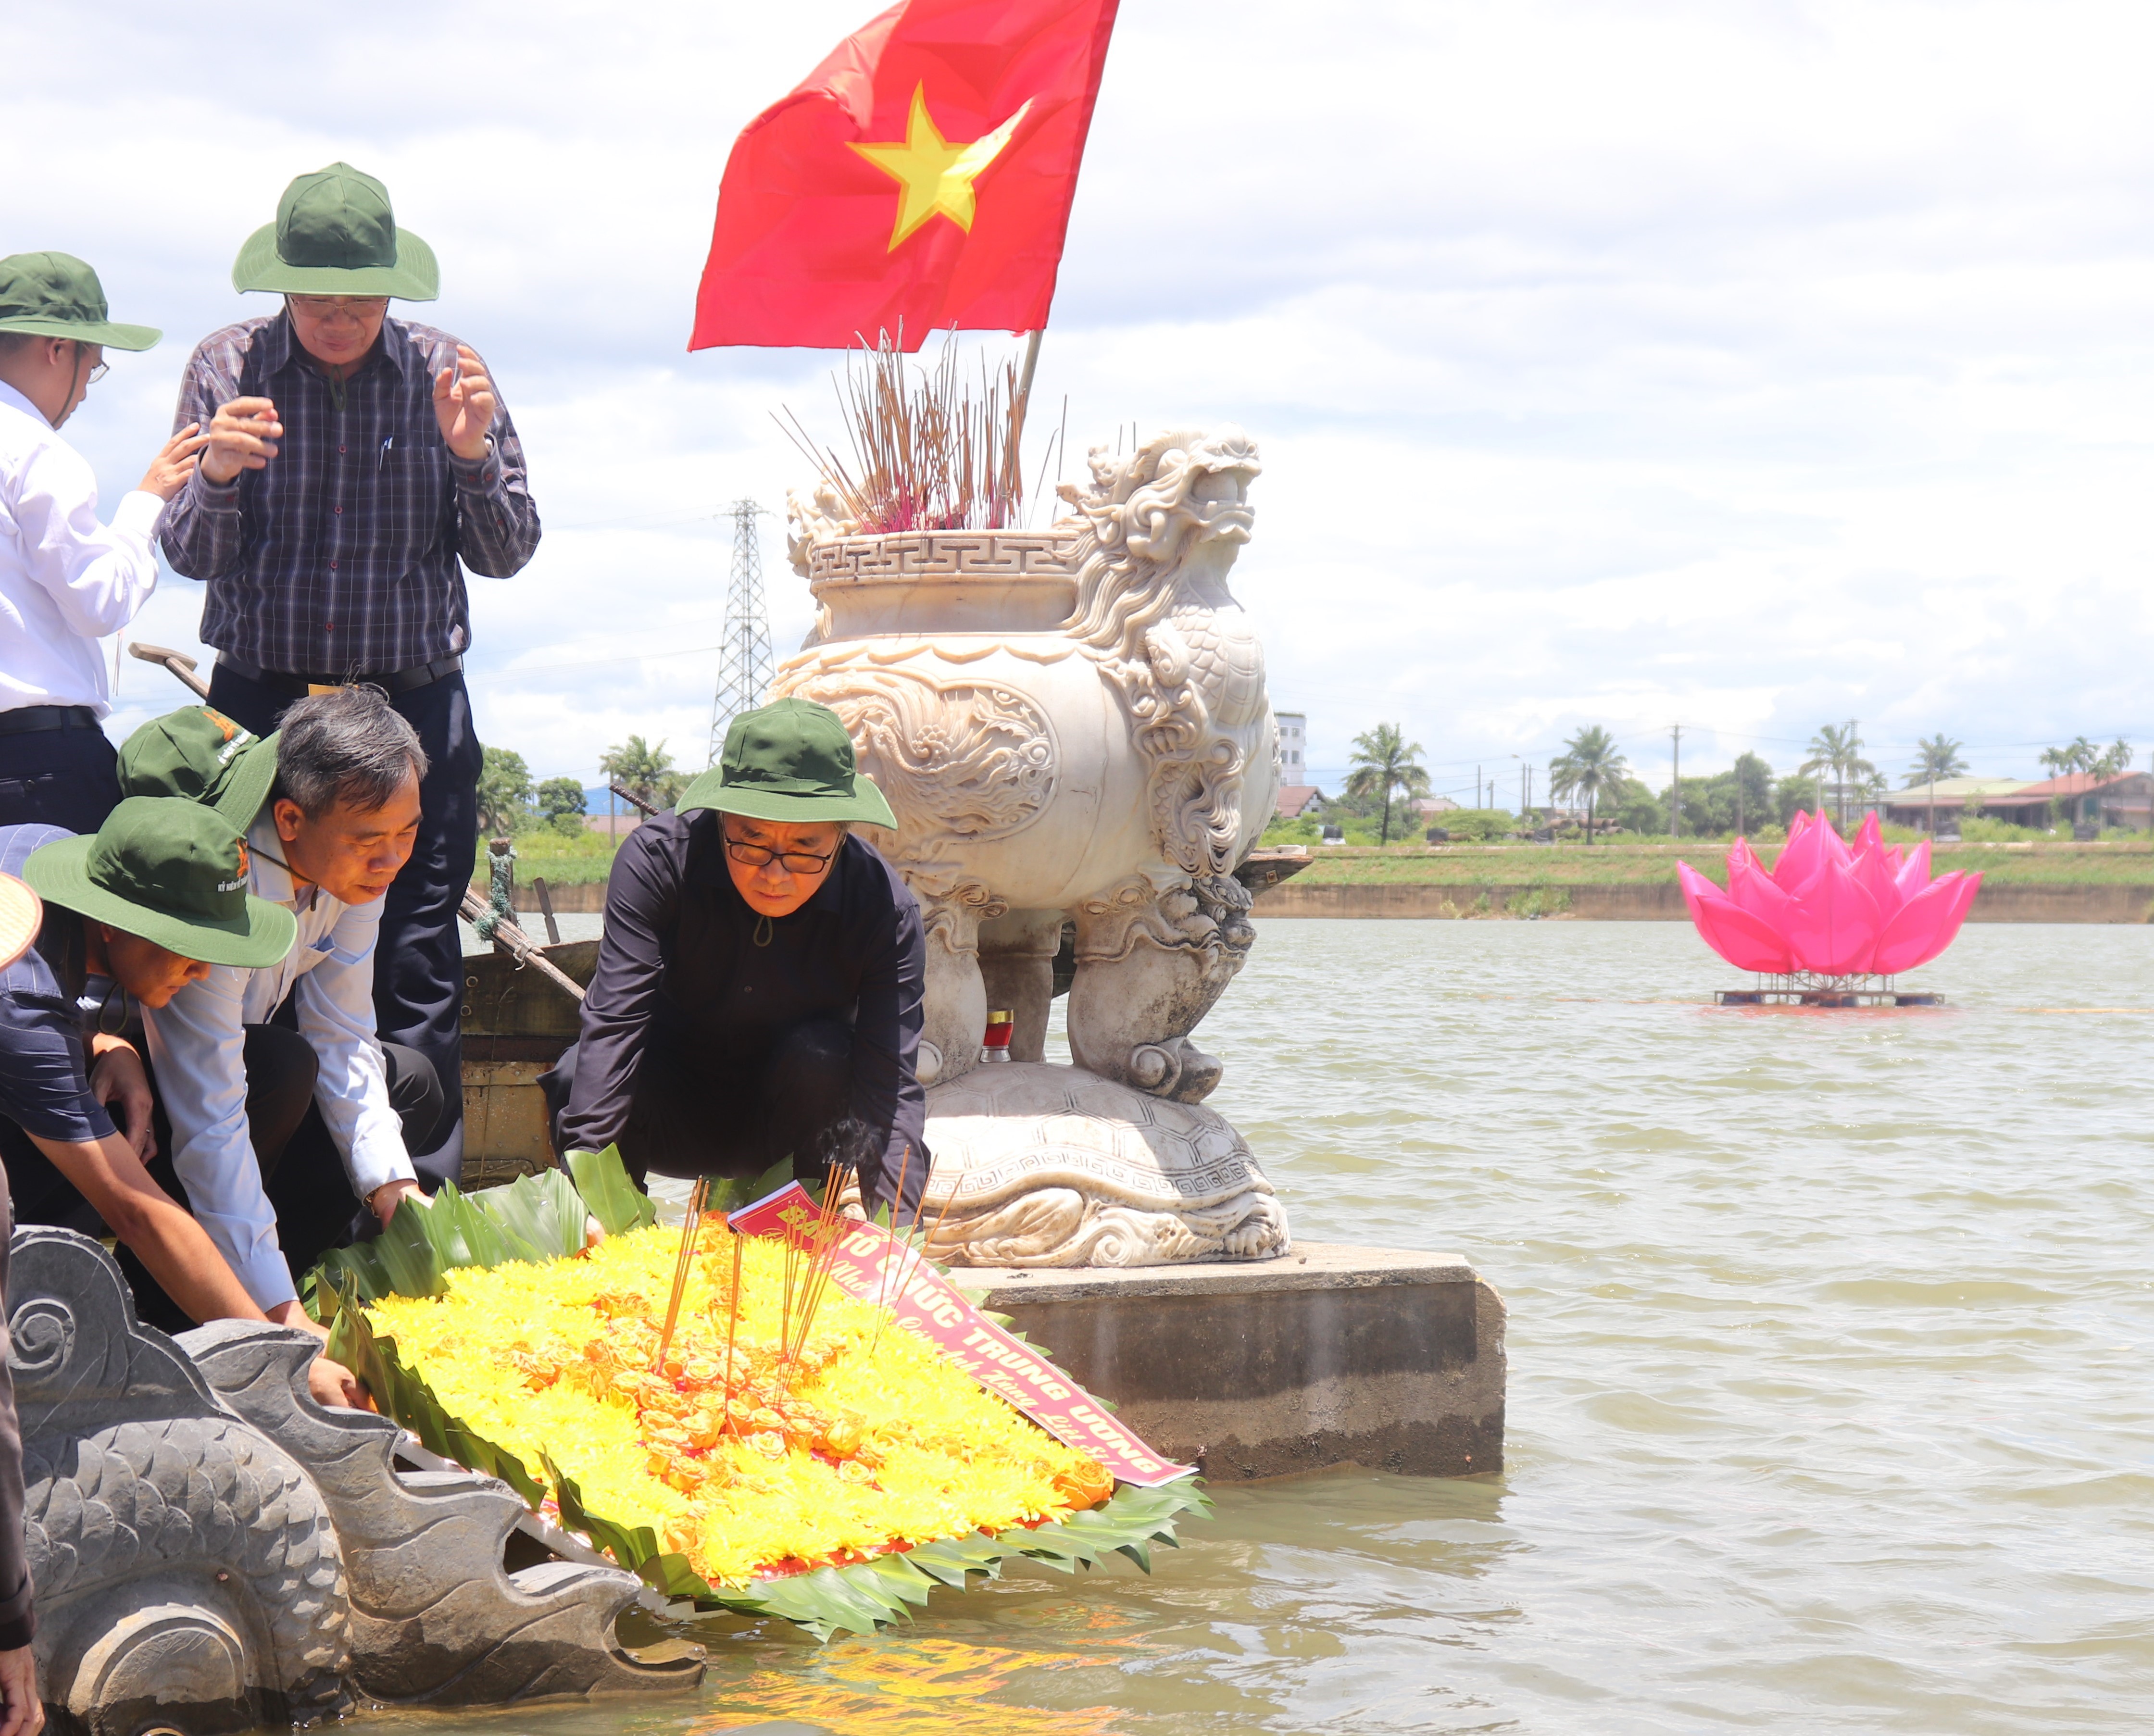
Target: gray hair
{"x": 347, "y": 745}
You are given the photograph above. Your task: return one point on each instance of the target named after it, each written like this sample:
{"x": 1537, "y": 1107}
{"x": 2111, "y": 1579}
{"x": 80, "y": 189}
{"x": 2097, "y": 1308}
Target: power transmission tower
{"x": 745, "y": 663}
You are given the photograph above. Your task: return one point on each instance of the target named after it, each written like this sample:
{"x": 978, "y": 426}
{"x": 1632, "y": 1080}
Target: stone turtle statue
{"x": 213, "y": 1550}
{"x": 1038, "y": 1165}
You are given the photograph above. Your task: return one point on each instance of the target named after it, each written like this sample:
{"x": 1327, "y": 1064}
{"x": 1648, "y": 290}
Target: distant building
{"x": 617, "y": 825}
{"x": 1435, "y": 804}
{"x": 1294, "y": 750}
{"x": 2125, "y": 799}
{"x": 1296, "y": 799}
{"x": 1954, "y": 795}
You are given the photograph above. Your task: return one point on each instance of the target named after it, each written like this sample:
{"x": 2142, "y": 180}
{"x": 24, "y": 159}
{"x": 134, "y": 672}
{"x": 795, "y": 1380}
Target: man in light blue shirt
{"x": 339, "y": 823}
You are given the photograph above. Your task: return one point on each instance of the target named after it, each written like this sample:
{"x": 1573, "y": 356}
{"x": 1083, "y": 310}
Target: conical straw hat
{"x": 22, "y": 914}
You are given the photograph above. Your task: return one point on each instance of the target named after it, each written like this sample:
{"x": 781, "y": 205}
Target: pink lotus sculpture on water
{"x": 1826, "y": 909}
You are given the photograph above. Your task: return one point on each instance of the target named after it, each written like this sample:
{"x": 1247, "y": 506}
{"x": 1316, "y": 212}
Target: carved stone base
{"x": 214, "y": 1551}
{"x": 1038, "y": 1165}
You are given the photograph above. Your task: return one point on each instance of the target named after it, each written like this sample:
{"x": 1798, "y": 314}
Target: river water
{"x": 1829, "y": 1400}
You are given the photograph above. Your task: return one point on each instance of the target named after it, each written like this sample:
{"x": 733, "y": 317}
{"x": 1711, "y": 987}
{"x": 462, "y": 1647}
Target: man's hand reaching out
{"x": 385, "y": 1199}
{"x": 25, "y": 1714}
{"x": 330, "y": 1384}
{"x": 117, "y": 1080}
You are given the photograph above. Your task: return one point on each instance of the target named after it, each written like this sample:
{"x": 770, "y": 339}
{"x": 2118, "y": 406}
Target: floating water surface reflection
{"x": 1829, "y": 1407}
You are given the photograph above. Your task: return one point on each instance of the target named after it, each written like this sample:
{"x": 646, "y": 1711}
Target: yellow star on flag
{"x": 934, "y": 176}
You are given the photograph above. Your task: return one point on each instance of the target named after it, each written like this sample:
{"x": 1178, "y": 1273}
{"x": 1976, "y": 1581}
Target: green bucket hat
{"x": 56, "y": 295}
{"x": 171, "y": 872}
{"x": 199, "y": 754}
{"x": 336, "y": 235}
{"x": 790, "y": 762}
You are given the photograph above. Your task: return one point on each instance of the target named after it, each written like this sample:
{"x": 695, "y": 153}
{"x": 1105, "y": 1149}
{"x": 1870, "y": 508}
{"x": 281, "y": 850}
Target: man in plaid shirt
{"x": 354, "y": 462}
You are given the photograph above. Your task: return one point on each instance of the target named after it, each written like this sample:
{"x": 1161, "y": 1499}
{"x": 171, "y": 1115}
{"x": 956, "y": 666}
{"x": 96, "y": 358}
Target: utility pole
{"x": 745, "y": 662}
{"x": 1477, "y": 786}
{"x": 1675, "y": 792}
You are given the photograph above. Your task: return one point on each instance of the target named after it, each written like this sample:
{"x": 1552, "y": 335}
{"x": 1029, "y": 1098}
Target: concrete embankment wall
{"x": 1662, "y": 902}
{"x": 584, "y": 900}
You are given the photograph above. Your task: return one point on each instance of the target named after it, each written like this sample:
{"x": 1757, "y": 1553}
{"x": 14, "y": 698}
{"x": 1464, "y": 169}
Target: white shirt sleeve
{"x": 98, "y": 576}
{"x": 334, "y": 1002}
{"x": 198, "y": 1045}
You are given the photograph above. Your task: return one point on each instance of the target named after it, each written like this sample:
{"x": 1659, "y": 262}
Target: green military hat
{"x": 171, "y": 872}
{"x": 791, "y": 761}
{"x": 199, "y": 754}
{"x": 56, "y": 295}
{"x": 336, "y": 234}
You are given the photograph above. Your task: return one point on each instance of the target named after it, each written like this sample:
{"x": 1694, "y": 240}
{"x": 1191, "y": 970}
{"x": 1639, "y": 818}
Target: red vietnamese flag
{"x": 923, "y": 173}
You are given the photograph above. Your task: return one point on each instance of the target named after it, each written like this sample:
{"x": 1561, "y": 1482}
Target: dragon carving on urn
{"x": 1071, "y": 727}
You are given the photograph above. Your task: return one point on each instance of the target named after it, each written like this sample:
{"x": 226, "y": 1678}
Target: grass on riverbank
{"x": 580, "y": 861}
{"x": 586, "y": 861}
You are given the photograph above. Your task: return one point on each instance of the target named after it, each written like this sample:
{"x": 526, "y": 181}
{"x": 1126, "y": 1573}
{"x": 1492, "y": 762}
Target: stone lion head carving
{"x": 1141, "y": 518}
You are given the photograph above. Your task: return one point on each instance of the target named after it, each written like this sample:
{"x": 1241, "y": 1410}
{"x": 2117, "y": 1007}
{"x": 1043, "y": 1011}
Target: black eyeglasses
{"x": 98, "y": 373}
{"x": 795, "y": 861}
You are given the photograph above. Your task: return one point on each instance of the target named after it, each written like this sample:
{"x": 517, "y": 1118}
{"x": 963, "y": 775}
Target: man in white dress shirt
{"x": 339, "y": 823}
{"x": 65, "y": 579}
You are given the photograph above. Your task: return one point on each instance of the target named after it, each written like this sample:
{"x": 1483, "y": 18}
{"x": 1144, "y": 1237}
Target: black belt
{"x": 26, "y": 718}
{"x": 390, "y": 681}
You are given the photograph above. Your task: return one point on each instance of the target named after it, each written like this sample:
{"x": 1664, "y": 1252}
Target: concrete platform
{"x": 1331, "y": 1354}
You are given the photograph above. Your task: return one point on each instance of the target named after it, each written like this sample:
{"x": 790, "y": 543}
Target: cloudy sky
{"x": 1742, "y": 365}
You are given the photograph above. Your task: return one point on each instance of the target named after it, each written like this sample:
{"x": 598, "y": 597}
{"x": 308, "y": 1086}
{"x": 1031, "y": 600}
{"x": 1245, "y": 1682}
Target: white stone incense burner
{"x": 1072, "y": 728}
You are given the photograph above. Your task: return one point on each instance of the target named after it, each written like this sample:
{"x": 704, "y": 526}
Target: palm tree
{"x": 2116, "y": 759}
{"x": 1837, "y": 749}
{"x": 1935, "y": 758}
{"x": 1383, "y": 762}
{"x": 1589, "y": 766}
{"x": 646, "y": 771}
{"x": 2078, "y": 756}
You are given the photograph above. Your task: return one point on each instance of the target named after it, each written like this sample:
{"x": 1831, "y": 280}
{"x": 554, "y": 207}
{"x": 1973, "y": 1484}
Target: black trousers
{"x": 686, "y": 1120}
{"x": 301, "y": 1168}
{"x": 58, "y": 778}
{"x": 316, "y": 1208}
{"x": 418, "y": 965}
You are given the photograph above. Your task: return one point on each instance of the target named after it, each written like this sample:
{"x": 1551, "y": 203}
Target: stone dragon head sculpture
{"x": 1140, "y": 526}
{"x": 1141, "y": 518}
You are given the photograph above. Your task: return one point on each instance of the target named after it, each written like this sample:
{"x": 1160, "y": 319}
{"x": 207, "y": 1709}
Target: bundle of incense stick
{"x": 732, "y": 1325}
{"x": 807, "y": 1273}
{"x": 928, "y": 456}
{"x": 683, "y": 1262}
{"x": 912, "y": 1248}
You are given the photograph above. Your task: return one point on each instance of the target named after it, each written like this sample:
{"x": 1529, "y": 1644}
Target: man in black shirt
{"x": 759, "y": 980}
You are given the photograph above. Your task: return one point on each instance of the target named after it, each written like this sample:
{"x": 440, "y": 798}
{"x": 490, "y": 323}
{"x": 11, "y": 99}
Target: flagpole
{"x": 1024, "y": 388}
{"x": 1017, "y": 407}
